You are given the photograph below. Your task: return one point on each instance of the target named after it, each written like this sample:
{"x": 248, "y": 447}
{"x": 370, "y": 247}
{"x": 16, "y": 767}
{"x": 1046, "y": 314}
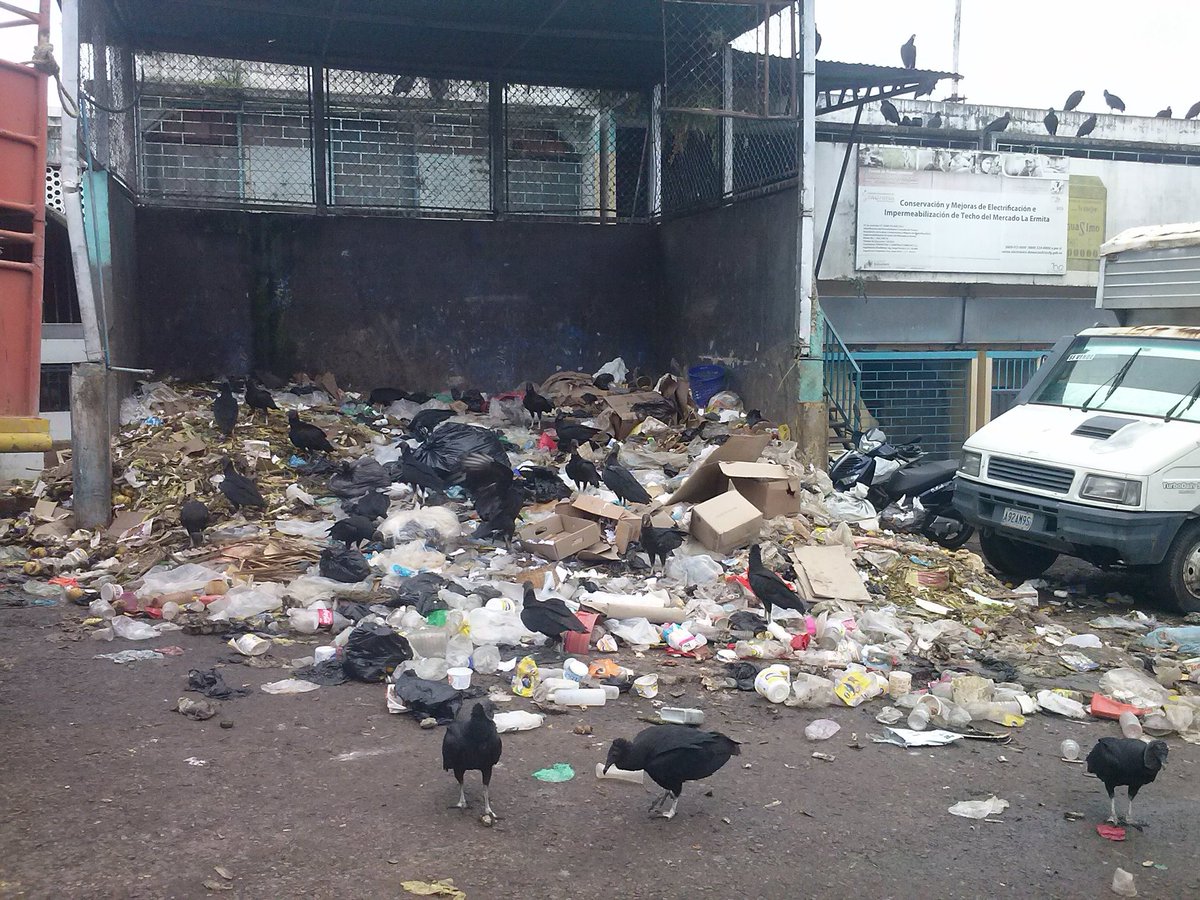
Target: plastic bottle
{"x": 170, "y": 610}
{"x": 458, "y": 651}
{"x": 579, "y": 697}
{"x": 679, "y": 716}
{"x": 315, "y": 618}
{"x": 1130, "y": 726}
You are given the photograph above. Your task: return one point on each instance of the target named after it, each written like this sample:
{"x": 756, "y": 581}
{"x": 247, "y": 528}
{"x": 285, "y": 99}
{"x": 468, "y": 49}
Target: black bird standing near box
{"x": 550, "y": 617}
{"x": 621, "y": 482}
{"x": 769, "y": 588}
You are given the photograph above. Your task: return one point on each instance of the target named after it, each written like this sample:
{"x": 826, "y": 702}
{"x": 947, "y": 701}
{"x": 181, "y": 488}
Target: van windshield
{"x": 1140, "y": 376}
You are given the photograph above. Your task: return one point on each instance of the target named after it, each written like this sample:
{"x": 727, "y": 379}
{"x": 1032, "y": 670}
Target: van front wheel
{"x": 1178, "y": 575}
{"x": 1015, "y": 559}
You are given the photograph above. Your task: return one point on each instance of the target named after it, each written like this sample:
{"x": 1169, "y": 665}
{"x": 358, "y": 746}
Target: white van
{"x": 1100, "y": 458}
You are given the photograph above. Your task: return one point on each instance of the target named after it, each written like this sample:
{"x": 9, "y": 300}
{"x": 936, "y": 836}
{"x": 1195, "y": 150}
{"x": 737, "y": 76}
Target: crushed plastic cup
{"x": 250, "y": 645}
{"x": 574, "y": 669}
{"x": 1122, "y": 884}
{"x": 918, "y": 719}
{"x": 615, "y": 774}
{"x": 646, "y": 686}
{"x": 1069, "y": 749}
{"x": 486, "y": 659}
{"x": 821, "y": 729}
{"x": 459, "y": 677}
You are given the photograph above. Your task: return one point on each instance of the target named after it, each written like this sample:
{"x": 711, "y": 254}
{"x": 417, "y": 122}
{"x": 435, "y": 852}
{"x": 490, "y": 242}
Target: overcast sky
{"x": 1014, "y": 53}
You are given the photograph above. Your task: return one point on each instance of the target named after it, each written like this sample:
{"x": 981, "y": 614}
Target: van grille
{"x": 1036, "y": 475}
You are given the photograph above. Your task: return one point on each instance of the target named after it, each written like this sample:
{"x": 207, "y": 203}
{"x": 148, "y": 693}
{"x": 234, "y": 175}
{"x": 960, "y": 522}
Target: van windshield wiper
{"x": 1191, "y": 399}
{"x": 1116, "y": 378}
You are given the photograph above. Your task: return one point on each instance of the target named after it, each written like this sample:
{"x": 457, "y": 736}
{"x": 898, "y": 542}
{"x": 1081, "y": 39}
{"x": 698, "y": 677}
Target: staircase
{"x": 843, "y": 387}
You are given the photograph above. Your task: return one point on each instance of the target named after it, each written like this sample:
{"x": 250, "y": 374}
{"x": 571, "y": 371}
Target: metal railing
{"x": 843, "y": 384}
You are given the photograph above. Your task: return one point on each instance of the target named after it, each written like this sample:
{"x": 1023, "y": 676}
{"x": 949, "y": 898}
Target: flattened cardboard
{"x": 726, "y": 522}
{"x": 626, "y": 524}
{"x": 124, "y": 521}
{"x": 828, "y": 573}
{"x": 767, "y": 485}
{"x": 706, "y": 482}
{"x": 557, "y": 537}
{"x": 622, "y": 418}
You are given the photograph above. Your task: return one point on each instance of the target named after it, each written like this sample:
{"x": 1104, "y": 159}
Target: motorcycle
{"x": 911, "y": 496}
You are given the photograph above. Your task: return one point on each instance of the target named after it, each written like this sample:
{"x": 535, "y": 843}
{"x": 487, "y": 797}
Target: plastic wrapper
{"x": 373, "y": 652}
{"x": 1132, "y": 687}
{"x": 313, "y": 531}
{"x": 1180, "y": 640}
{"x": 290, "y": 686}
{"x": 493, "y": 626}
{"x": 689, "y": 570}
{"x": 638, "y": 632}
{"x": 307, "y": 589}
{"x": 133, "y": 629}
{"x": 188, "y": 577}
{"x": 344, "y": 564}
{"x": 614, "y": 367}
{"x": 244, "y": 601}
{"x": 402, "y": 561}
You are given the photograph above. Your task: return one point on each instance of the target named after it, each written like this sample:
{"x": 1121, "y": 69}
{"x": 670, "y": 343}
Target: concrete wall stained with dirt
{"x": 393, "y": 301}
{"x": 729, "y": 277}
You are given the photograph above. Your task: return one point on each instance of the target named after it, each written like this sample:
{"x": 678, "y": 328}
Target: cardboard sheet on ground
{"x": 906, "y": 737}
{"x": 828, "y": 573}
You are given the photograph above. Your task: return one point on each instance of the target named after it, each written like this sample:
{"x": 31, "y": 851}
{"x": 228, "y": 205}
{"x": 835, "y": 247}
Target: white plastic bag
{"x": 1132, "y": 687}
{"x": 290, "y": 686}
{"x": 851, "y": 505}
{"x": 246, "y": 600}
{"x": 638, "y": 633}
{"x": 133, "y": 629}
{"x": 979, "y": 809}
{"x": 188, "y": 577}
{"x": 1064, "y": 706}
{"x": 407, "y": 524}
{"x": 313, "y": 531}
{"x": 821, "y": 729}
{"x": 494, "y": 626}
{"x": 689, "y": 570}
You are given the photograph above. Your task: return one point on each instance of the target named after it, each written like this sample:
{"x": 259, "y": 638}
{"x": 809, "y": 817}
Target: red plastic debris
{"x": 1110, "y": 832}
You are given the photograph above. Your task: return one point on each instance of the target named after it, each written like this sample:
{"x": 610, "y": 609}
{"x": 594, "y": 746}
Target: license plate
{"x": 1016, "y": 518}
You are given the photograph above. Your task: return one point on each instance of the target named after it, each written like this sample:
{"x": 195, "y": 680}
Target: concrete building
{"x": 942, "y": 352}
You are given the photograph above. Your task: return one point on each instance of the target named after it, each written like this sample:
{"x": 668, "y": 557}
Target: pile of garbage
{"x": 943, "y": 648}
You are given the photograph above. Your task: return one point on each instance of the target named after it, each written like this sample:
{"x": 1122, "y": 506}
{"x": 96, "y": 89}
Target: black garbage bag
{"x": 328, "y": 672}
{"x": 543, "y": 484}
{"x": 743, "y": 673}
{"x": 454, "y": 440}
{"x": 419, "y": 591}
{"x": 344, "y": 564}
{"x": 373, "y": 652}
{"x": 428, "y": 698}
{"x": 359, "y": 478}
{"x": 744, "y": 620}
{"x": 210, "y": 683}
{"x": 354, "y": 611}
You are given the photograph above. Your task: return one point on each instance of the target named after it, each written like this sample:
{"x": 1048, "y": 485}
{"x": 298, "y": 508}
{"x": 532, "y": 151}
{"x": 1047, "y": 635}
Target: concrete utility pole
{"x": 812, "y": 415}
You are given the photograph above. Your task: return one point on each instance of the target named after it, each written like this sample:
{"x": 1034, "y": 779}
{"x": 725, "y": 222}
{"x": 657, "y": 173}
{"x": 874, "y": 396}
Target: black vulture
{"x": 890, "y": 113}
{"x": 1088, "y": 126}
{"x": 438, "y": 88}
{"x": 672, "y": 755}
{"x": 1073, "y": 100}
{"x": 603, "y": 381}
{"x": 403, "y": 85}
{"x": 997, "y": 125}
{"x": 386, "y": 396}
{"x": 193, "y": 516}
{"x": 258, "y": 398}
{"x": 769, "y": 588}
{"x": 1051, "y": 122}
{"x": 1113, "y": 101}
{"x": 1193, "y": 110}
{"x": 908, "y": 53}
{"x": 473, "y": 745}
{"x": 353, "y": 530}
{"x": 225, "y": 410}
{"x": 582, "y": 472}
{"x": 543, "y": 484}
{"x": 569, "y": 432}
{"x": 1164, "y": 113}
{"x": 409, "y": 470}
{"x": 659, "y": 541}
{"x": 621, "y": 482}
{"x": 306, "y": 436}
{"x": 536, "y": 404}
{"x": 906, "y": 121}
{"x": 1127, "y": 761}
{"x": 550, "y": 617}
{"x": 428, "y": 419}
{"x": 818, "y": 47}
{"x": 935, "y": 121}
{"x": 240, "y": 490}
{"x": 372, "y": 505}
{"x": 497, "y": 494}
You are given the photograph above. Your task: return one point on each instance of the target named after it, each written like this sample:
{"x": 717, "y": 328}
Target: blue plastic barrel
{"x": 704, "y": 382}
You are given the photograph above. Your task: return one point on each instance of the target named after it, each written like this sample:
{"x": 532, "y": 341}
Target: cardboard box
{"x": 626, "y": 524}
{"x": 767, "y": 485}
{"x": 726, "y": 522}
{"x": 707, "y": 481}
{"x": 557, "y": 536}
{"x": 622, "y": 418}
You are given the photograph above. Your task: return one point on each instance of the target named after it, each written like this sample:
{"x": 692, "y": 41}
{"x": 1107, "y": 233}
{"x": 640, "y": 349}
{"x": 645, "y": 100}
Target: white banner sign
{"x": 923, "y": 209}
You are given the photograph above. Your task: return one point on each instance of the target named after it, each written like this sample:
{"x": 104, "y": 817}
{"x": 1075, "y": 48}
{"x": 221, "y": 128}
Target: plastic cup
{"x": 459, "y": 677}
{"x": 646, "y": 686}
{"x": 1069, "y": 749}
{"x": 774, "y": 683}
{"x": 899, "y": 683}
{"x": 574, "y": 669}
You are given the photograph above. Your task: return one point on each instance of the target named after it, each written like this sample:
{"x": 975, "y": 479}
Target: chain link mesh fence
{"x": 108, "y": 107}
{"x": 564, "y": 154}
{"x": 406, "y": 141}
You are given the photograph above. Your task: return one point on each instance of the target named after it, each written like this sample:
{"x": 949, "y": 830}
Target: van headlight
{"x": 971, "y": 463}
{"x": 1111, "y": 490}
